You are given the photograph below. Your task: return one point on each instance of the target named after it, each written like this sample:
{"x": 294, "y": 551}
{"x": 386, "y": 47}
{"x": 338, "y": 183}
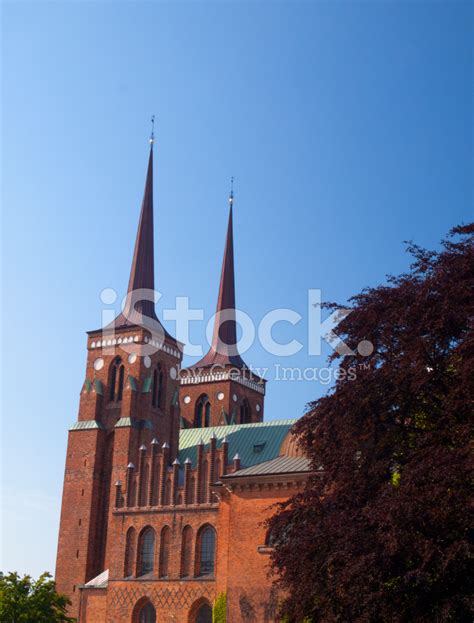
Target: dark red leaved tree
{"x": 382, "y": 532}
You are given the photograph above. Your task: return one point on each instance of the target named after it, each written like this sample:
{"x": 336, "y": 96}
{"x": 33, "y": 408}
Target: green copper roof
{"x": 86, "y": 425}
{"x": 255, "y": 443}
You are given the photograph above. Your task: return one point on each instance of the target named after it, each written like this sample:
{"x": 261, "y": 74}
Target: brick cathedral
{"x": 171, "y": 473}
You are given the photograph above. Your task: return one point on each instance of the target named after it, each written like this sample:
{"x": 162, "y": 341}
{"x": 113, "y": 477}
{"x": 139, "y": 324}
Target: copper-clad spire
{"x": 223, "y": 349}
{"x": 142, "y": 273}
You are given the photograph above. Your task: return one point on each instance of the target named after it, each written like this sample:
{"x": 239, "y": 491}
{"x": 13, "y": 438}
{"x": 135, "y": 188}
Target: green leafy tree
{"x": 24, "y": 600}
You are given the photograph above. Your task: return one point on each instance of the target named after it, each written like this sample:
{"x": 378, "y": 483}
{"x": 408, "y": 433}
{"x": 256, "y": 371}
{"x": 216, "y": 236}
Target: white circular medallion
{"x": 234, "y": 397}
{"x": 146, "y": 361}
{"x": 98, "y": 364}
{"x": 173, "y": 373}
{"x": 220, "y": 395}
{"x": 132, "y": 358}
{"x": 187, "y": 400}
{"x": 258, "y": 408}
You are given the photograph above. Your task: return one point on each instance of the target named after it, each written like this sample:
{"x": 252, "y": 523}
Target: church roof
{"x": 280, "y": 465}
{"x": 255, "y": 443}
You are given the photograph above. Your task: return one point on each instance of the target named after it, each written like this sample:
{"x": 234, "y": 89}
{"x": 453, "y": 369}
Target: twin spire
{"x": 142, "y": 277}
{"x": 223, "y": 351}
{"x": 142, "y": 273}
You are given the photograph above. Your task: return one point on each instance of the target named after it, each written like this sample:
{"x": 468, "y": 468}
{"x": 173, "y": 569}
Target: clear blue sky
{"x": 348, "y": 128}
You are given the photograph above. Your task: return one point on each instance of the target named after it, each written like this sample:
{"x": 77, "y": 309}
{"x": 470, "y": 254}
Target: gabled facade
{"x": 160, "y": 514}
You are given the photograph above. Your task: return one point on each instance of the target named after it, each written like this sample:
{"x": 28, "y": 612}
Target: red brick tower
{"x": 129, "y": 397}
{"x": 220, "y": 389}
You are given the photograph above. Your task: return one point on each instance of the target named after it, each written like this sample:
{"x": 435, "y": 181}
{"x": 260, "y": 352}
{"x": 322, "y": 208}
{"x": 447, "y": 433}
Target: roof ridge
{"x": 246, "y": 425}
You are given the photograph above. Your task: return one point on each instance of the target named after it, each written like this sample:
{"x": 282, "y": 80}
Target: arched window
{"x": 165, "y": 552}
{"x": 158, "y": 387}
{"x": 186, "y": 551}
{"x": 146, "y": 551}
{"x": 120, "y": 383}
{"x": 206, "y": 551}
{"x": 203, "y": 412}
{"x": 113, "y": 379}
{"x": 116, "y": 379}
{"x": 204, "y": 614}
{"x": 201, "y": 612}
{"x": 245, "y": 413}
{"x": 129, "y": 552}
{"x": 147, "y": 614}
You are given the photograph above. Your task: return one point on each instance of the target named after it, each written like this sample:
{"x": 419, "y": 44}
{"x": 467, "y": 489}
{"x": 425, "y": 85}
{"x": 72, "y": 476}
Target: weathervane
{"x": 152, "y": 135}
{"x": 231, "y": 196}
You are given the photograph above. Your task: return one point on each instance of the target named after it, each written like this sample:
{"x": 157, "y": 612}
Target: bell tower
{"x": 220, "y": 389}
{"x": 129, "y": 396}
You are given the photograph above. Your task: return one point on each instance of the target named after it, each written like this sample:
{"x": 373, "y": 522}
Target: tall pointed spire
{"x": 223, "y": 349}
{"x": 142, "y": 273}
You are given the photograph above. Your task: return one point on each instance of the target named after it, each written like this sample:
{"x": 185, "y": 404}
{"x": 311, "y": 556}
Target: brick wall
{"x": 232, "y": 395}
{"x": 94, "y": 605}
{"x": 77, "y": 560}
{"x": 96, "y": 457}
{"x": 250, "y": 596}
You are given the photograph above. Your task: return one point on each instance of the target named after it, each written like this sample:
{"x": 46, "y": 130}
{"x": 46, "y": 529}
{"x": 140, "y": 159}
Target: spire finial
{"x": 231, "y": 196}
{"x": 152, "y": 135}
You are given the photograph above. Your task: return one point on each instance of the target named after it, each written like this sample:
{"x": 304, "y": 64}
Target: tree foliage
{"x": 381, "y": 532}
{"x": 219, "y": 609}
{"x": 24, "y": 600}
